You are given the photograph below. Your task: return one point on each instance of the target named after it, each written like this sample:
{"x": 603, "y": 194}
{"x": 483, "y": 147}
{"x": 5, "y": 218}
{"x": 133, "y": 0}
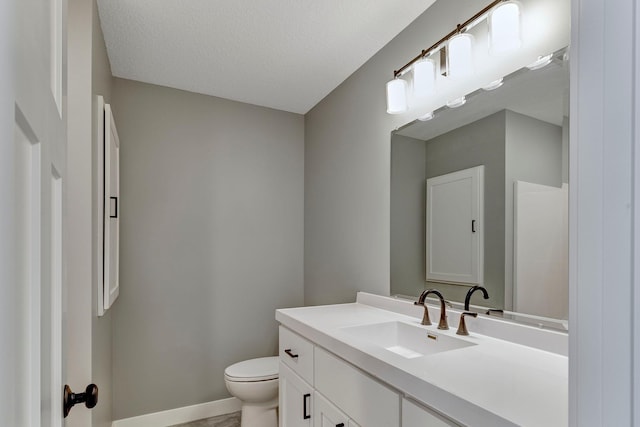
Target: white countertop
{"x": 495, "y": 383}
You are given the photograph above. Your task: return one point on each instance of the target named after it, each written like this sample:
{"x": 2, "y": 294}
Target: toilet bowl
{"x": 255, "y": 383}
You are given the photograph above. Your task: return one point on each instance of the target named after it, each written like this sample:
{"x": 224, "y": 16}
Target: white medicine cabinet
{"x": 108, "y": 187}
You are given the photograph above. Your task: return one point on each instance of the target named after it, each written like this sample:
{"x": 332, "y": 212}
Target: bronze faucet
{"x": 442, "y": 324}
{"x": 471, "y": 291}
{"x": 462, "y": 326}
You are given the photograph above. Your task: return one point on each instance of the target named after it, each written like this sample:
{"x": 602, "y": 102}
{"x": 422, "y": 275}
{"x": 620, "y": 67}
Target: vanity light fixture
{"x": 397, "y": 96}
{"x": 424, "y": 78}
{"x": 505, "y": 35}
{"x": 494, "y": 85}
{"x": 541, "y": 62}
{"x": 458, "y": 102}
{"x": 460, "y": 55}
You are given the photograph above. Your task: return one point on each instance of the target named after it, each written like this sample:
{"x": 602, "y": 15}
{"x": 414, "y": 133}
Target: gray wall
{"x": 78, "y": 195}
{"x": 100, "y": 327}
{"x": 89, "y": 73}
{"x": 565, "y": 149}
{"x": 478, "y": 143}
{"x": 211, "y": 241}
{"x": 408, "y": 194}
{"x": 347, "y": 174}
{"x": 347, "y": 158}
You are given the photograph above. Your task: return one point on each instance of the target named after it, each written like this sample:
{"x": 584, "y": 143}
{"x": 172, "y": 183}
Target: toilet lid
{"x": 261, "y": 369}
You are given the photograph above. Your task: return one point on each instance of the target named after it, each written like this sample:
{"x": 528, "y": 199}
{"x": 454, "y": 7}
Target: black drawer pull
{"x": 340, "y": 425}
{"x": 290, "y": 353}
{"x": 116, "y": 214}
{"x": 305, "y": 409}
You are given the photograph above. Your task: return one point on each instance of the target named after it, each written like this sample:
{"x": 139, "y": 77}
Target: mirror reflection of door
{"x": 455, "y": 244}
{"x": 541, "y": 249}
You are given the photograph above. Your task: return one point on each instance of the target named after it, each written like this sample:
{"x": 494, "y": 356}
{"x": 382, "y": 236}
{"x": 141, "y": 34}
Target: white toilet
{"x": 255, "y": 383}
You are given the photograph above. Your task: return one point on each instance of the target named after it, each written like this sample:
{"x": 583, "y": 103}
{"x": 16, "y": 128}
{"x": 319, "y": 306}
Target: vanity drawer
{"x": 363, "y": 399}
{"x": 297, "y": 353}
{"x": 414, "y": 415}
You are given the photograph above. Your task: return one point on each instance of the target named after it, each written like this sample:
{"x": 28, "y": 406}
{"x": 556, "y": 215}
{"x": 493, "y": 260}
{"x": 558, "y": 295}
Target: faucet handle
{"x": 425, "y": 316}
{"x": 443, "y": 324}
{"x": 462, "y": 326}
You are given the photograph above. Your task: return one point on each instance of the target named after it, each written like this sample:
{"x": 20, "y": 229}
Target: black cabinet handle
{"x": 305, "y": 409}
{"x": 340, "y": 425}
{"x": 473, "y": 225}
{"x": 290, "y": 353}
{"x": 116, "y": 200}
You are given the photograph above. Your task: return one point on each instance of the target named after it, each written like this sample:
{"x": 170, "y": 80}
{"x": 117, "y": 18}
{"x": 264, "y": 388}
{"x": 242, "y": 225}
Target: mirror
{"x": 519, "y": 132}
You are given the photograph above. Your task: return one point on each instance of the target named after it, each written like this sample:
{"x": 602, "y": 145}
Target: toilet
{"x": 255, "y": 383}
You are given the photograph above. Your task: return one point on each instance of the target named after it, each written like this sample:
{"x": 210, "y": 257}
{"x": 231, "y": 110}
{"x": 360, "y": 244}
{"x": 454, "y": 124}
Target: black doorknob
{"x": 89, "y": 398}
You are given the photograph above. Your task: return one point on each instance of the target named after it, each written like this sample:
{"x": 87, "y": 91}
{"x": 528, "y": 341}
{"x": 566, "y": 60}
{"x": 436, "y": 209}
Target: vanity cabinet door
{"x": 417, "y": 416}
{"x": 364, "y": 399}
{"x": 325, "y": 414}
{"x": 295, "y": 399}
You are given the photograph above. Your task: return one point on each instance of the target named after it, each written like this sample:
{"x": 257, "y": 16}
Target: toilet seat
{"x": 260, "y": 369}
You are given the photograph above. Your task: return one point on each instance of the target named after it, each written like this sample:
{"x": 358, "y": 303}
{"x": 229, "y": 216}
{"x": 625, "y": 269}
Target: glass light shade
{"x": 458, "y": 102}
{"x": 460, "y": 55}
{"x": 397, "y": 96}
{"x": 505, "y": 33}
{"x": 494, "y": 84}
{"x": 424, "y": 78}
{"x": 426, "y": 117}
{"x": 541, "y": 62}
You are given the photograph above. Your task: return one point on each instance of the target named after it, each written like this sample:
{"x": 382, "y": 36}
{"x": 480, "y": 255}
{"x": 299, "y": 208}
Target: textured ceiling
{"x": 283, "y": 54}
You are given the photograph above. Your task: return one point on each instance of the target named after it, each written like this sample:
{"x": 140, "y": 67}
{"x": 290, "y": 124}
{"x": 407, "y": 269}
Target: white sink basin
{"x": 410, "y": 341}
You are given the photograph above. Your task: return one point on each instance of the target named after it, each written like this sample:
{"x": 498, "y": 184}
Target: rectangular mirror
{"x": 519, "y": 133}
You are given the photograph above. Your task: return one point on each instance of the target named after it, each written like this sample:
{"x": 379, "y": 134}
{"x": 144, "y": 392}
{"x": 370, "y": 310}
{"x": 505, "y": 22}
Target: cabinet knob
{"x": 89, "y": 398}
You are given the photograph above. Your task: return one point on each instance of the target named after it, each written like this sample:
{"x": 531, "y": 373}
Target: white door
{"x": 32, "y": 190}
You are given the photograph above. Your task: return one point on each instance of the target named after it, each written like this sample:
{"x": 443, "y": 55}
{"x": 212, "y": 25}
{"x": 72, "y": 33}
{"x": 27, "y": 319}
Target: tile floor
{"x": 229, "y": 420}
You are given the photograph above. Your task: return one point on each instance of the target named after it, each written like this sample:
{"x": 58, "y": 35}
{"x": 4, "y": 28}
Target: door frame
{"x": 8, "y": 292}
{"x": 604, "y": 214}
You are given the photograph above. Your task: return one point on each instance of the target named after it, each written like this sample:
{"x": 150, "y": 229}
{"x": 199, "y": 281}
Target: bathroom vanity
{"x": 372, "y": 364}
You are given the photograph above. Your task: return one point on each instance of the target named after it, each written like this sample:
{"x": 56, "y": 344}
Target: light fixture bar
{"x": 459, "y": 28}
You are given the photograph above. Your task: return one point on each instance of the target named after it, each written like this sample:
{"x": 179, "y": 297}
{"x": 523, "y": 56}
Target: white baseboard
{"x": 182, "y": 415}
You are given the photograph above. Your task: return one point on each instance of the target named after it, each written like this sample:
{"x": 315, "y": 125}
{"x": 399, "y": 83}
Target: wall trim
{"x": 182, "y": 415}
